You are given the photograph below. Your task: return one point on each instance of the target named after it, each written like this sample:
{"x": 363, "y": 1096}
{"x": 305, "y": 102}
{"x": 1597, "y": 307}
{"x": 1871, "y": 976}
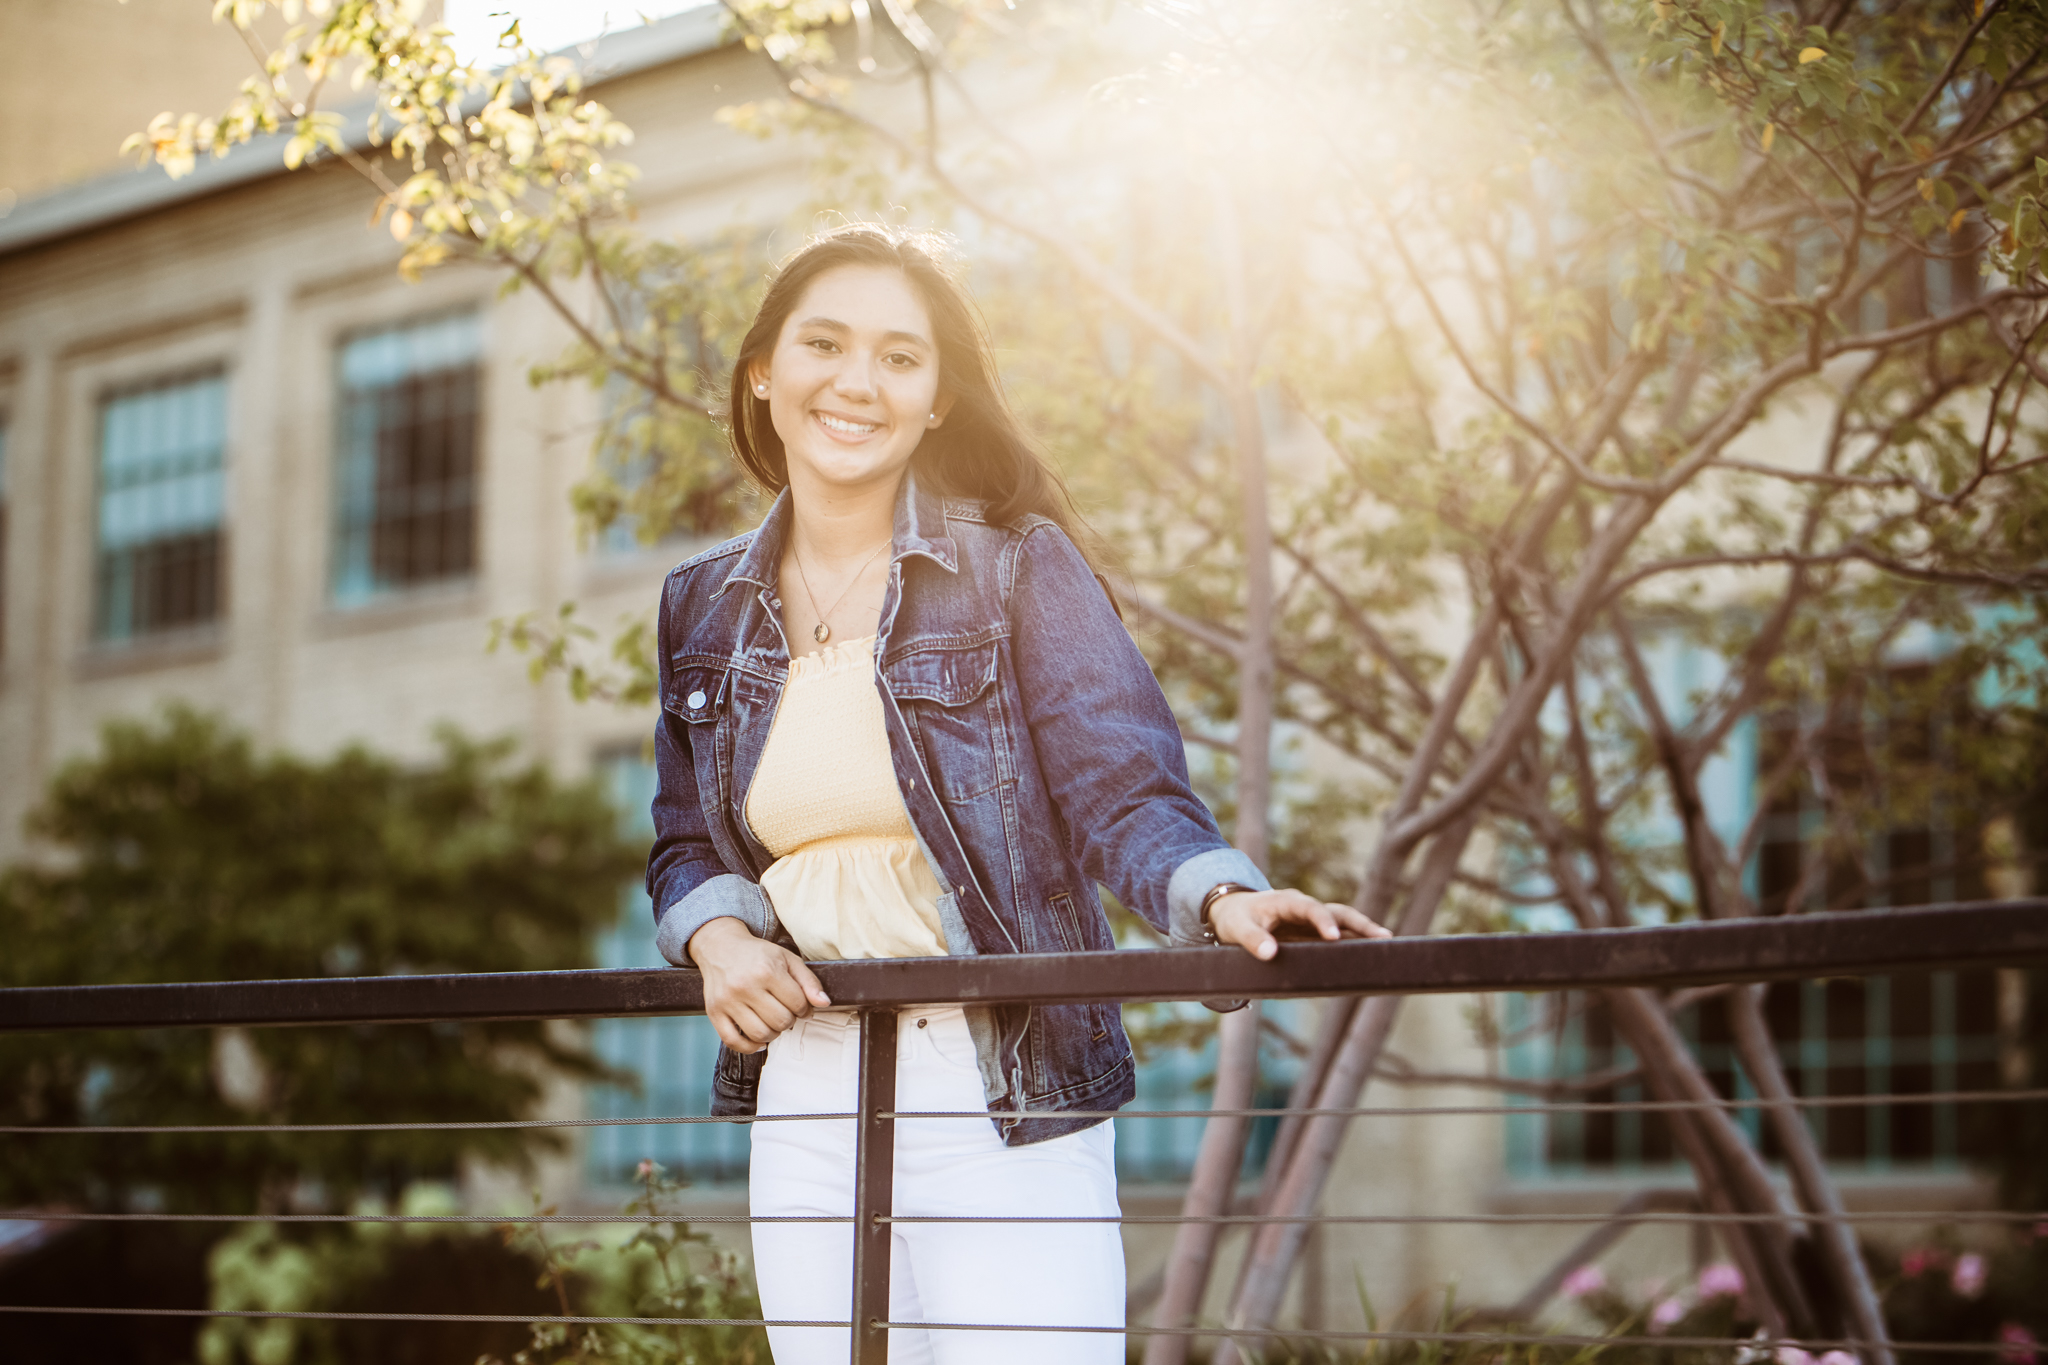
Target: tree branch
{"x": 1078, "y": 260}
{"x": 1855, "y": 553}
{"x": 1955, "y": 60}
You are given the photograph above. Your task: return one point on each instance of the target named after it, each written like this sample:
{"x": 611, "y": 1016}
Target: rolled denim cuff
{"x": 1196, "y": 878}
{"x": 726, "y": 894}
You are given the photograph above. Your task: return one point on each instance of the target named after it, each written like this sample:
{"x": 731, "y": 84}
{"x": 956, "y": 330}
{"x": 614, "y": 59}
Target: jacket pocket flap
{"x": 693, "y": 692}
{"x": 950, "y": 677}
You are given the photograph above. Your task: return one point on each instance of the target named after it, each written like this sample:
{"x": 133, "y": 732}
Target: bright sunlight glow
{"x": 548, "y": 25}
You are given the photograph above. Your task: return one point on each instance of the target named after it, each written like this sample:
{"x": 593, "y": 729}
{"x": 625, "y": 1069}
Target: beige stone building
{"x": 245, "y": 465}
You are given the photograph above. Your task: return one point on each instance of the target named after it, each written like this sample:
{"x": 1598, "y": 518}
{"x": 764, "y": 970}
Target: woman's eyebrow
{"x": 834, "y": 324}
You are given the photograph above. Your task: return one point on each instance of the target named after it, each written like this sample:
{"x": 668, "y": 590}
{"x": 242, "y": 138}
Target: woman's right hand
{"x": 753, "y": 989}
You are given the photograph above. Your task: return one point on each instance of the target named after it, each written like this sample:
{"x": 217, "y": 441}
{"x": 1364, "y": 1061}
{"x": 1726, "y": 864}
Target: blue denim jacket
{"x": 1034, "y": 750}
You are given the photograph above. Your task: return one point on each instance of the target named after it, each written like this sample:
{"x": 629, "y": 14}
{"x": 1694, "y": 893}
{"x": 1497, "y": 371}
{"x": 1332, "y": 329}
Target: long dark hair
{"x": 980, "y": 451}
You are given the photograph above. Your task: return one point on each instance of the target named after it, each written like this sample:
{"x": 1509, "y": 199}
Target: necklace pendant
{"x": 821, "y": 632}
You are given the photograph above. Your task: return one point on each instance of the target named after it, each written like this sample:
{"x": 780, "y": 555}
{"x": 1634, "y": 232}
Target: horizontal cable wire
{"x": 1291, "y": 1333}
{"x": 483, "y": 1125}
{"x": 474, "y": 1219}
{"x": 515, "y": 1318}
{"x": 1534, "y": 1107}
{"x": 1763, "y": 1347}
{"x": 1486, "y": 1219}
{"x": 1391, "y": 1219}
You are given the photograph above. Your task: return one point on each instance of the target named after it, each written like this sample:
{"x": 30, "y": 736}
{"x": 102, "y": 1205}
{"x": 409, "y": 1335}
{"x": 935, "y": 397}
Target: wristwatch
{"x": 1217, "y": 893}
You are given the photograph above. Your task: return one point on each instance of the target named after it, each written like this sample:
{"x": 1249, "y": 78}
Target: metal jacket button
{"x": 695, "y": 700}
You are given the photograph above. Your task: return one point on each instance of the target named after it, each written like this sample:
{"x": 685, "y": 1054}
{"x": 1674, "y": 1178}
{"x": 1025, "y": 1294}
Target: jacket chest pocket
{"x": 950, "y": 701}
{"x": 697, "y": 695}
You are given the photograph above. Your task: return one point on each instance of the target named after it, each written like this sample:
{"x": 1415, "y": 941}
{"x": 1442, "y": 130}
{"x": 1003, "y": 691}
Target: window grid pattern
{"x": 407, "y": 457}
{"x": 161, "y": 497}
{"x": 1902, "y": 1035}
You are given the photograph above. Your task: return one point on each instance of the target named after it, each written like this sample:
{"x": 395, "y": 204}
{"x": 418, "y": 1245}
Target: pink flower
{"x": 1920, "y": 1260}
{"x": 1585, "y": 1280}
{"x": 646, "y": 1170}
{"x": 1665, "y": 1314}
{"x": 1792, "y": 1355}
{"x": 1720, "y": 1281}
{"x": 1969, "y": 1275}
{"x": 1838, "y": 1358}
{"x": 2019, "y": 1345}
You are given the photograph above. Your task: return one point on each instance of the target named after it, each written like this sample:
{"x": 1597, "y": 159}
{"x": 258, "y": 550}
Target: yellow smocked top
{"x": 849, "y": 879}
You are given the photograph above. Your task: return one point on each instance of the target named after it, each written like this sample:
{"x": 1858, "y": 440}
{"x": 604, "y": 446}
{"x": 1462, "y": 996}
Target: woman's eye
{"x": 902, "y": 361}
{"x": 822, "y": 344}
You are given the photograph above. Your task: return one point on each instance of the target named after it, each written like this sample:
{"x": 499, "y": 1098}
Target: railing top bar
{"x": 1857, "y": 943}
{"x": 1532, "y": 1107}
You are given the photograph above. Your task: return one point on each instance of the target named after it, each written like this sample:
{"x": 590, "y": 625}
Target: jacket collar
{"x": 920, "y": 529}
{"x": 762, "y": 562}
{"x": 921, "y": 525}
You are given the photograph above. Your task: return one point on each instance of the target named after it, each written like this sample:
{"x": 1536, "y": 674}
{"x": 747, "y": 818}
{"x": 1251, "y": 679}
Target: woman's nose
{"x": 856, "y": 377}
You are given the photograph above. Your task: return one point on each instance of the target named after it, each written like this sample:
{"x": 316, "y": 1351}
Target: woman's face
{"x": 853, "y": 381}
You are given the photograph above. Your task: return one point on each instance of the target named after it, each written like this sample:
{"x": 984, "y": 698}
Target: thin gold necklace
{"x": 823, "y": 632}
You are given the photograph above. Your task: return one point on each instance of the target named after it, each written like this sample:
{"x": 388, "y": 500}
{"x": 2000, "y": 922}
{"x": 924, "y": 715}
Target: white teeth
{"x": 848, "y": 428}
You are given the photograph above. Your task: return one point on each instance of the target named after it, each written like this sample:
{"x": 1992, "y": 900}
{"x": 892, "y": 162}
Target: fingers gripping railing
{"x": 1864, "y": 943}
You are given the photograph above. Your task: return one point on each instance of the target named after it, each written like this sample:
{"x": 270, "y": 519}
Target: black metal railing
{"x": 1852, "y": 944}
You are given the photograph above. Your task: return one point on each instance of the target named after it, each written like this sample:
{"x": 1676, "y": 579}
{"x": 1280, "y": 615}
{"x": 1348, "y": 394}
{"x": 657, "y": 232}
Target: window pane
{"x": 406, "y": 491}
{"x": 673, "y": 1057}
{"x": 633, "y": 436}
{"x": 161, "y": 494}
{"x": 1864, "y": 746}
{"x": 1175, "y": 1073}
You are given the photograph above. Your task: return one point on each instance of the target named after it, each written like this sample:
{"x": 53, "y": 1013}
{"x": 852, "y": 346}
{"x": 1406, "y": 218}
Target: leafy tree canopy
{"x": 179, "y": 852}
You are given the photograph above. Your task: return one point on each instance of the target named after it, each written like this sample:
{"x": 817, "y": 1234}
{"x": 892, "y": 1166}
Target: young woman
{"x": 901, "y": 717}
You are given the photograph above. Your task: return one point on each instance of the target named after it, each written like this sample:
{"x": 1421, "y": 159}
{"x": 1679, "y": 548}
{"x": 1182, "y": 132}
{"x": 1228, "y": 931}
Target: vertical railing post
{"x": 874, "y": 1176}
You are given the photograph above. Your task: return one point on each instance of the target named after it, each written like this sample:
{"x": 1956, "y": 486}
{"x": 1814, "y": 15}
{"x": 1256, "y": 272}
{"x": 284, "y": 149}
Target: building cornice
{"x": 122, "y": 195}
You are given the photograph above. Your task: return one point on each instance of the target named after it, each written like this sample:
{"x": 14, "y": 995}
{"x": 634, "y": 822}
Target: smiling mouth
{"x": 847, "y": 428}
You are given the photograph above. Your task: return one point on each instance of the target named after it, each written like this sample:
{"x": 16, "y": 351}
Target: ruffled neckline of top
{"x": 833, "y": 658}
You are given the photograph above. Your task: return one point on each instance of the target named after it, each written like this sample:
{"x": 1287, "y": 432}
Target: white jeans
{"x": 938, "y": 1272}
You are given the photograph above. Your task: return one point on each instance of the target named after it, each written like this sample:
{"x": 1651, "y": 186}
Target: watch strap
{"x": 1217, "y": 893}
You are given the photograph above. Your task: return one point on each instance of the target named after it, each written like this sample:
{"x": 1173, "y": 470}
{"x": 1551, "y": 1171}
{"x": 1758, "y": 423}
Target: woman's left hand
{"x": 1256, "y": 921}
